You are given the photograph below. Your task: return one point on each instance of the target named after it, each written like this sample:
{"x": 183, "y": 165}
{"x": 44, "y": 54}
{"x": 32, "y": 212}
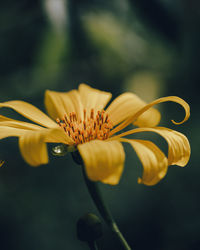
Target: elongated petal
{"x": 148, "y": 106}
{"x": 11, "y": 132}
{"x": 4, "y": 118}
{"x": 13, "y": 128}
{"x": 31, "y": 112}
{"x": 154, "y": 161}
{"x": 58, "y": 103}
{"x": 104, "y": 161}
{"x": 127, "y": 105}
{"x": 93, "y": 98}
{"x": 5, "y": 121}
{"x": 178, "y": 144}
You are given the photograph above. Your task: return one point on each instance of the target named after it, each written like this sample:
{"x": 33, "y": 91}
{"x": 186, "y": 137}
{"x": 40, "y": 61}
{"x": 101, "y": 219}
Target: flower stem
{"x": 103, "y": 210}
{"x": 93, "y": 245}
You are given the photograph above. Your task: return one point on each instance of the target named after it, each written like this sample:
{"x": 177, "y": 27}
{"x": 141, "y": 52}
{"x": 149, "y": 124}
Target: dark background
{"x": 148, "y": 47}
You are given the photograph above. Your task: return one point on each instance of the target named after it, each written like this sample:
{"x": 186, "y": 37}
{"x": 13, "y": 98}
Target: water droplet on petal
{"x": 59, "y": 150}
{"x": 62, "y": 149}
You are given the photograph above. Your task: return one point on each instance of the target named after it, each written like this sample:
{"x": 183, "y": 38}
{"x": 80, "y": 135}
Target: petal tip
{"x": 1, "y": 163}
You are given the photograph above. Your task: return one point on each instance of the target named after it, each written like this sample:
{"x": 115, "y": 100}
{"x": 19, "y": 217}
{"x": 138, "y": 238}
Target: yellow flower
{"x": 78, "y": 118}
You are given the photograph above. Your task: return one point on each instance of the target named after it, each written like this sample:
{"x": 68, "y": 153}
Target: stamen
{"x": 58, "y": 121}
{"x": 84, "y": 124}
{"x": 70, "y": 117}
{"x": 84, "y": 111}
{"x": 102, "y": 114}
{"x": 94, "y": 126}
{"x": 65, "y": 118}
{"x": 92, "y": 114}
{"x": 106, "y": 118}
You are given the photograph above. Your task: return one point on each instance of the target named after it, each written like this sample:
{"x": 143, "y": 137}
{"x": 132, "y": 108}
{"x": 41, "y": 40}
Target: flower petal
{"x": 58, "y": 136}
{"x": 103, "y": 160}
{"x": 154, "y": 161}
{"x": 127, "y": 105}
{"x": 1, "y": 163}
{"x": 5, "y": 121}
{"x": 33, "y": 144}
{"x": 6, "y": 131}
{"x": 148, "y": 106}
{"x": 93, "y": 98}
{"x": 33, "y": 148}
{"x": 178, "y": 144}
{"x": 13, "y": 128}
{"x": 31, "y": 112}
{"x": 4, "y": 118}
{"x": 58, "y": 103}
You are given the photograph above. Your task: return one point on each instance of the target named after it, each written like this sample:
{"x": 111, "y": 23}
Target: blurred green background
{"x": 148, "y": 47}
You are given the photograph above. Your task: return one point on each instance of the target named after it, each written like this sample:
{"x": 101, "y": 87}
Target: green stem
{"x": 103, "y": 210}
{"x": 93, "y": 245}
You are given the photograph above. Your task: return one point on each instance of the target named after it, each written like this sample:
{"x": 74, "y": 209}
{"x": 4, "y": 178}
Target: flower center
{"x": 93, "y": 126}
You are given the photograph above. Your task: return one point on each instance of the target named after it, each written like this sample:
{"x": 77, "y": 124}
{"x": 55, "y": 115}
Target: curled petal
{"x": 127, "y": 105}
{"x": 114, "y": 178}
{"x": 154, "y": 161}
{"x": 33, "y": 148}
{"x": 31, "y": 112}
{"x": 148, "y": 106}
{"x": 93, "y": 98}
{"x": 178, "y": 144}
{"x": 33, "y": 144}
{"x": 58, "y": 103}
{"x": 103, "y": 160}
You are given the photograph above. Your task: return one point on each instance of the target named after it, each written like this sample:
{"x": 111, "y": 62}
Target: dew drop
{"x": 59, "y": 150}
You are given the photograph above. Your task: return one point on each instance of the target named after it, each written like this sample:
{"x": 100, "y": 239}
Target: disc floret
{"x": 93, "y": 126}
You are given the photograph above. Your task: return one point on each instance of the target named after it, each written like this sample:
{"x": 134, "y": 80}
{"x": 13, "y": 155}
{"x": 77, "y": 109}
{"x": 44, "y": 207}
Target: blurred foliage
{"x": 149, "y": 47}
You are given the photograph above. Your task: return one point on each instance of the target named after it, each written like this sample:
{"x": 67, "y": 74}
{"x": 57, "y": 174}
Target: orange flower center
{"x": 93, "y": 126}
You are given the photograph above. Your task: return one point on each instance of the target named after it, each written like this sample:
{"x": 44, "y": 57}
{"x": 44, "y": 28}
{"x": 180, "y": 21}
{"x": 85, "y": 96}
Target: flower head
{"x": 78, "y": 118}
